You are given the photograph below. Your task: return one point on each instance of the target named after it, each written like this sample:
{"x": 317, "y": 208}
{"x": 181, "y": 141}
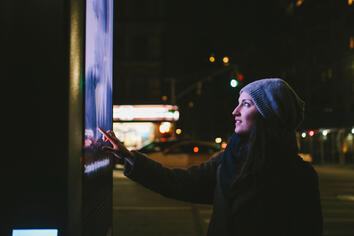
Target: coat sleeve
{"x": 308, "y": 208}
{"x": 196, "y": 184}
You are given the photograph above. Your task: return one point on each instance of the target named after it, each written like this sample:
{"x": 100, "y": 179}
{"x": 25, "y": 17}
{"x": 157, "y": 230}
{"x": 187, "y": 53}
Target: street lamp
{"x": 212, "y": 59}
{"x": 226, "y": 60}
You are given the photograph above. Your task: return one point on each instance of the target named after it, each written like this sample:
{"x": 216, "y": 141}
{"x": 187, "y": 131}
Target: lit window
{"x": 350, "y": 2}
{"x": 330, "y": 73}
{"x": 351, "y": 41}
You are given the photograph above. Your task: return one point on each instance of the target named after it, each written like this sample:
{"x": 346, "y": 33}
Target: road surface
{"x": 140, "y": 212}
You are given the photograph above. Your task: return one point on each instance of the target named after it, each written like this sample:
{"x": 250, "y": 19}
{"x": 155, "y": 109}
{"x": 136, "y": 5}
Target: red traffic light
{"x": 239, "y": 76}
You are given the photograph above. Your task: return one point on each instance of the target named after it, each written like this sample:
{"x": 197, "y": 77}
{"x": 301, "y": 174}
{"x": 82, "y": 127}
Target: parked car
{"x": 157, "y": 146}
{"x": 154, "y": 147}
{"x": 182, "y": 154}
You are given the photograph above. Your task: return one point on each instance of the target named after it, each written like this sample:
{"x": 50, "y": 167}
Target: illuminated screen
{"x": 98, "y": 81}
{"x": 35, "y": 232}
{"x": 96, "y": 165}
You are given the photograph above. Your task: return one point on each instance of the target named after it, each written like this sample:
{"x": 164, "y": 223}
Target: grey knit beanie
{"x": 274, "y": 98}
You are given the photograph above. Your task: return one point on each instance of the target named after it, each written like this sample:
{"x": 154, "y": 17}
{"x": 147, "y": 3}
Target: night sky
{"x": 254, "y": 37}
{"x": 247, "y": 32}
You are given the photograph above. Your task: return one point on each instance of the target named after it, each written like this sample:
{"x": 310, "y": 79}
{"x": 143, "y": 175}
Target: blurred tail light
{"x": 223, "y": 145}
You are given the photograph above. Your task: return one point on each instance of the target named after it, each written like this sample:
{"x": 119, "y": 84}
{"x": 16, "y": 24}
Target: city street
{"x": 138, "y": 211}
{"x": 337, "y": 194}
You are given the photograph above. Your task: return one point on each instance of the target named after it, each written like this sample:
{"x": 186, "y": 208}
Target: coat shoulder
{"x": 304, "y": 169}
{"x": 305, "y": 174}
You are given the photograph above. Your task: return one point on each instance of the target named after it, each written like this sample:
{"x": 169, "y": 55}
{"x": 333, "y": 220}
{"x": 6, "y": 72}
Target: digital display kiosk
{"x": 56, "y": 179}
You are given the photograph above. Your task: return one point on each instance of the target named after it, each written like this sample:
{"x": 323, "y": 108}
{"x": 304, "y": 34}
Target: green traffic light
{"x": 234, "y": 83}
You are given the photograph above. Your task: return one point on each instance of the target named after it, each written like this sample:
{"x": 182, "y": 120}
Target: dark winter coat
{"x": 288, "y": 205}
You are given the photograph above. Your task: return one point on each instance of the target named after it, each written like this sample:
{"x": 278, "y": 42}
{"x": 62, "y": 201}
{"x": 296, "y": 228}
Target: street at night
{"x": 138, "y": 211}
{"x": 337, "y": 198}
{"x": 244, "y": 86}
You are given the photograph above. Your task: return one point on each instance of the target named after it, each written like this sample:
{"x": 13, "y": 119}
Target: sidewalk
{"x": 334, "y": 165}
{"x": 335, "y": 169}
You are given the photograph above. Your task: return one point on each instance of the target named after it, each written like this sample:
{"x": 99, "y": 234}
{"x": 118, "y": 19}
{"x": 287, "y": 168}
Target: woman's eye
{"x": 246, "y": 104}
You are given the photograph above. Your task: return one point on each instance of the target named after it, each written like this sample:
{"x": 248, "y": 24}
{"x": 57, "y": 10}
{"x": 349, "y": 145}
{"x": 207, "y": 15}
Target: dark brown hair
{"x": 271, "y": 148}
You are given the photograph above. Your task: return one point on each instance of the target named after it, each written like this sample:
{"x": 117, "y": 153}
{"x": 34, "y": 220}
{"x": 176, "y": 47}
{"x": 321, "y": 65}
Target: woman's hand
{"x": 117, "y": 146}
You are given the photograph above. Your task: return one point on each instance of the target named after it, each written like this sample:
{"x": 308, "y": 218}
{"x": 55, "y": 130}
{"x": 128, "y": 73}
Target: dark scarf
{"x": 235, "y": 156}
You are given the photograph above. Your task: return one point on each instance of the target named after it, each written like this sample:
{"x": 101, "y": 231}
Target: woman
{"x": 258, "y": 185}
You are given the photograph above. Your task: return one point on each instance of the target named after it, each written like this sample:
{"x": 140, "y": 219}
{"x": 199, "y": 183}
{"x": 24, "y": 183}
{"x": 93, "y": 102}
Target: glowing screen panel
{"x": 96, "y": 165}
{"x": 35, "y": 232}
{"x": 98, "y": 80}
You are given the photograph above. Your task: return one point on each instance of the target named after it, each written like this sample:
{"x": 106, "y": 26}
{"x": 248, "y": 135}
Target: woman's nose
{"x": 236, "y": 111}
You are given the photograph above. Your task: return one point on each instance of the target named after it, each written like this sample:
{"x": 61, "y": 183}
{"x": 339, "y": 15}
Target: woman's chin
{"x": 240, "y": 132}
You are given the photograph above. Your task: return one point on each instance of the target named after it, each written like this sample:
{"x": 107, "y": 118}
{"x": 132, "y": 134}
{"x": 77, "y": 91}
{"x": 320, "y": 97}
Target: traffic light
{"x": 234, "y": 83}
{"x": 239, "y": 77}
{"x": 236, "y": 79}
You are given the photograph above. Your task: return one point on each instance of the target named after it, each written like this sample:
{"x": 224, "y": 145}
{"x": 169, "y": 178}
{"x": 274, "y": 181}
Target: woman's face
{"x": 245, "y": 114}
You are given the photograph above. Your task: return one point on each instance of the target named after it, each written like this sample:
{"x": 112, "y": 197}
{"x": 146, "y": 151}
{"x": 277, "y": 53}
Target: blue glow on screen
{"x": 98, "y": 81}
{"x": 98, "y": 67}
{"x": 92, "y": 167}
{"x": 34, "y": 232}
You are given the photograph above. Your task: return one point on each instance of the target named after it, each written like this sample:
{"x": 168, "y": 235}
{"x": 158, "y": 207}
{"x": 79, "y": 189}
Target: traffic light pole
{"x": 196, "y": 85}
{"x": 173, "y": 91}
